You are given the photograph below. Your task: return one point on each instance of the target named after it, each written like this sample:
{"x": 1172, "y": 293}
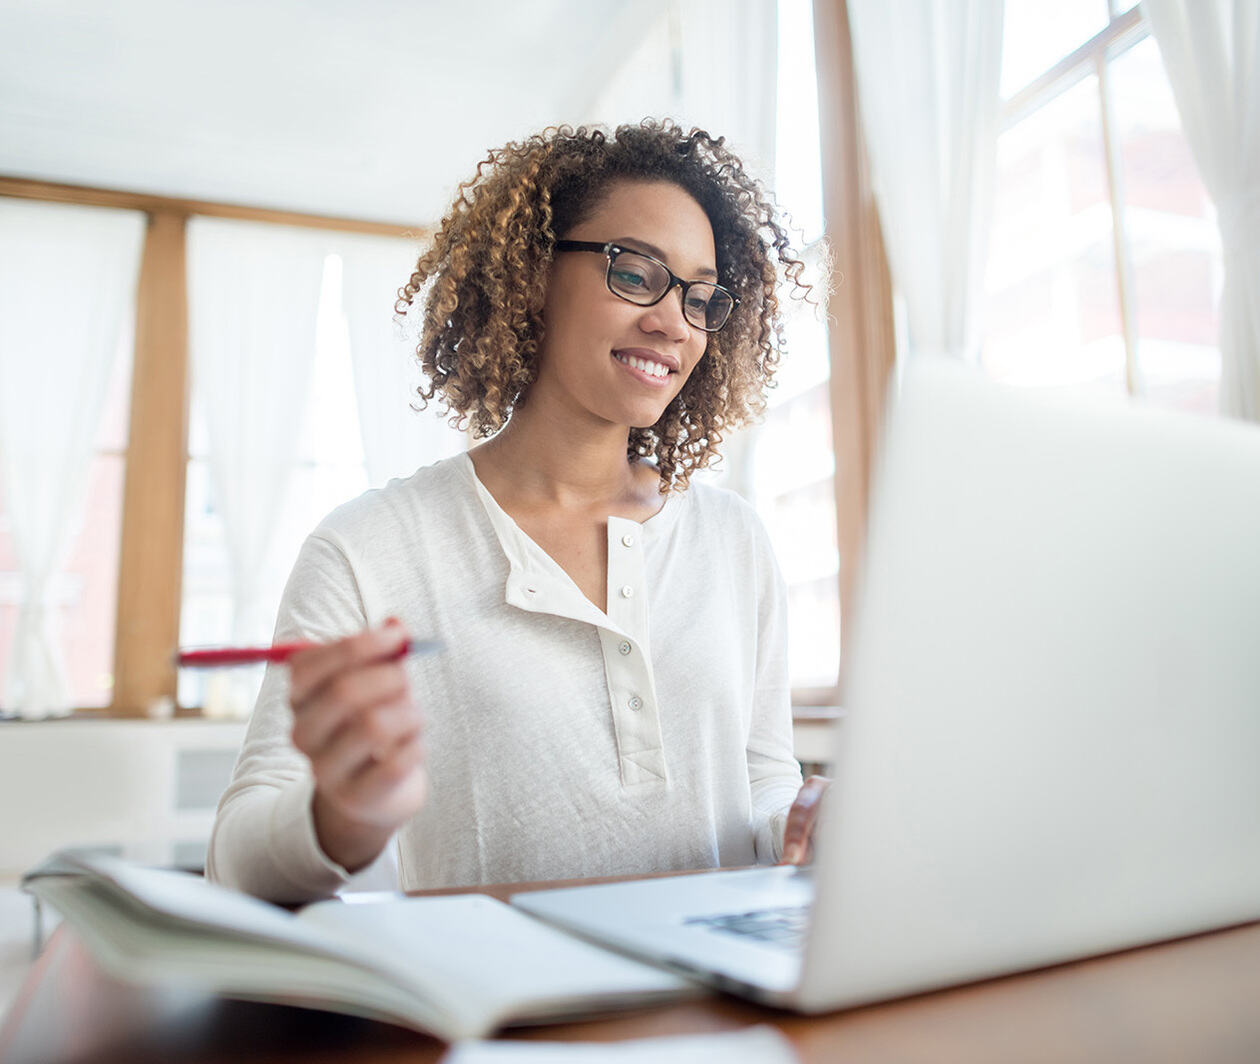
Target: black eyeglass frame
{"x": 612, "y": 249}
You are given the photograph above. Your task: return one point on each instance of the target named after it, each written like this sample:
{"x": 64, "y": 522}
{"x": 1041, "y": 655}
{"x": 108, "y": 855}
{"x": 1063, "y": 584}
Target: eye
{"x": 629, "y": 277}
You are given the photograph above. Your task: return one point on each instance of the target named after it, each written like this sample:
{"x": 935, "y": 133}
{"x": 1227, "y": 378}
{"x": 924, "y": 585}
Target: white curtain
{"x": 927, "y": 73}
{"x": 1211, "y": 49}
{"x": 708, "y": 63}
{"x": 727, "y": 64}
{"x": 67, "y": 298}
{"x": 397, "y": 439}
{"x": 253, "y": 296}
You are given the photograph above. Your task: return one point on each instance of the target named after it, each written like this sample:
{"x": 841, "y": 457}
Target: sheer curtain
{"x": 397, "y": 439}
{"x": 253, "y": 296}
{"x": 67, "y": 293}
{"x": 726, "y": 74}
{"x": 708, "y": 63}
{"x": 1211, "y": 49}
{"x": 927, "y": 73}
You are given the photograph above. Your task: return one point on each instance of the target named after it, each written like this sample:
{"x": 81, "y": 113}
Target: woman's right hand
{"x": 353, "y": 717}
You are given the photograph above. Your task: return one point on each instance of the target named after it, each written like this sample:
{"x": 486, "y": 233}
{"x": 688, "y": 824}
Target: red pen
{"x": 218, "y": 657}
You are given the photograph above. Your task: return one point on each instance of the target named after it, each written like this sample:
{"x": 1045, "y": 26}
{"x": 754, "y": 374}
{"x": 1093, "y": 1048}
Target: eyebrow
{"x": 653, "y": 250}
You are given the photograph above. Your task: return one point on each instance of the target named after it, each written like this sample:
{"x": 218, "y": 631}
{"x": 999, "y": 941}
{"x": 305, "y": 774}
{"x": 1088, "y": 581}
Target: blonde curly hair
{"x": 486, "y": 277}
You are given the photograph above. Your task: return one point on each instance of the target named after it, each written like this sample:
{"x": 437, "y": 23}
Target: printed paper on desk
{"x": 752, "y": 1045}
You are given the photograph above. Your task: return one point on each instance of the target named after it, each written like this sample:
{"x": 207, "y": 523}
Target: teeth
{"x": 653, "y": 369}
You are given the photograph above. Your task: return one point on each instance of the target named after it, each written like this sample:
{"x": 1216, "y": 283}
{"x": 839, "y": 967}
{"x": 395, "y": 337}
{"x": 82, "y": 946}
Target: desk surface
{"x": 1197, "y": 999}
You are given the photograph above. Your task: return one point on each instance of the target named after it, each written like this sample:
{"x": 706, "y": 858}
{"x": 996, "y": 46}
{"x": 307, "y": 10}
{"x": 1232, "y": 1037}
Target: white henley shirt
{"x": 562, "y": 741}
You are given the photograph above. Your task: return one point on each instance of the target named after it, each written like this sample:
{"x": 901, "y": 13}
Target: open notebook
{"x": 456, "y": 967}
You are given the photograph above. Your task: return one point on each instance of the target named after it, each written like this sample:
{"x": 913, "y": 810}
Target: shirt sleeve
{"x": 774, "y": 774}
{"x": 263, "y": 841}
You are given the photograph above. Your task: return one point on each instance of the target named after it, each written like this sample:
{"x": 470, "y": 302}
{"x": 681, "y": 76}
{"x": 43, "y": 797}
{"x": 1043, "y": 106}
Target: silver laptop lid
{"x": 1053, "y": 739}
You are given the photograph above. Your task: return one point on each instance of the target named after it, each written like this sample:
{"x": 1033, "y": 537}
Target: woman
{"x": 612, "y": 697}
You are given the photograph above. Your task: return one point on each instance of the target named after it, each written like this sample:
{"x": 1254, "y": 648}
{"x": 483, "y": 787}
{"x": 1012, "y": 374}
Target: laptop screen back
{"x": 1052, "y": 746}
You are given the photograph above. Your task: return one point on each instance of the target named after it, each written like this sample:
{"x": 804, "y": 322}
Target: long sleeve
{"x": 774, "y": 774}
{"x": 263, "y": 840}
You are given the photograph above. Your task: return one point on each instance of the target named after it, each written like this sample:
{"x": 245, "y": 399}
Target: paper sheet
{"x": 752, "y": 1045}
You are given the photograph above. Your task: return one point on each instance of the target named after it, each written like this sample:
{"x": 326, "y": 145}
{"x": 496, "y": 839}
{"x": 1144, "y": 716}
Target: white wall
{"x": 148, "y": 788}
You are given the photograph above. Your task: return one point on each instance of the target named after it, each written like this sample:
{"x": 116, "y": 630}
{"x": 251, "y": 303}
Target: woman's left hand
{"x": 798, "y": 835}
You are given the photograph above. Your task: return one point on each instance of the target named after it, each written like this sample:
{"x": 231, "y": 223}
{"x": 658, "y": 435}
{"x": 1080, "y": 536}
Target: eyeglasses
{"x": 639, "y": 278}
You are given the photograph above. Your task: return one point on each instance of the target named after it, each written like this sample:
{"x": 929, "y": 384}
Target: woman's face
{"x": 601, "y": 356}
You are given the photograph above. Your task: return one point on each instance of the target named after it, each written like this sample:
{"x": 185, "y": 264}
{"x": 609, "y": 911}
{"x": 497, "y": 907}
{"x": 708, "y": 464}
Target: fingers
{"x": 388, "y": 782}
{"x": 354, "y": 719}
{"x": 310, "y": 669}
{"x": 799, "y": 830}
{"x": 375, "y": 734}
{"x": 344, "y": 697}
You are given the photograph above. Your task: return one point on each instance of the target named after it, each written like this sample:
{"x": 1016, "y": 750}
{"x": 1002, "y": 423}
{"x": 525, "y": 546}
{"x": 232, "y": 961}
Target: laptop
{"x": 1052, "y": 744}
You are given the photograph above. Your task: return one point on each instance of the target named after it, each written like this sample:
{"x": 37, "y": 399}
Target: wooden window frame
{"x": 151, "y": 547}
{"x": 861, "y": 334}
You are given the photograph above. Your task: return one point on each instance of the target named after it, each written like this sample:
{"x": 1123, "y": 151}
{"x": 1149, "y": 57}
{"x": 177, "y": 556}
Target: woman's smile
{"x": 647, "y": 366}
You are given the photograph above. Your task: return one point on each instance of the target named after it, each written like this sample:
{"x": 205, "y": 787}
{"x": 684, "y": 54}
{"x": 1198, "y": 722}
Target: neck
{"x": 542, "y": 459}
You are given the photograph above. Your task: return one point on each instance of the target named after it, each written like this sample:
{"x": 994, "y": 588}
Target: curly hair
{"x": 486, "y": 277}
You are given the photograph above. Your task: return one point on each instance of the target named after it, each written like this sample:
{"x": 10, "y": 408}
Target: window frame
{"x": 861, "y": 332}
{"x": 1122, "y": 32}
{"x": 151, "y": 546}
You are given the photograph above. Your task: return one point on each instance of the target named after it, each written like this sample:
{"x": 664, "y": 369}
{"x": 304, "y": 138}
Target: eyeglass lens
{"x": 643, "y": 280}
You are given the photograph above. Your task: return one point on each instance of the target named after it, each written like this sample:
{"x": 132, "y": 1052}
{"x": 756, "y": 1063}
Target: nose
{"x": 666, "y": 317}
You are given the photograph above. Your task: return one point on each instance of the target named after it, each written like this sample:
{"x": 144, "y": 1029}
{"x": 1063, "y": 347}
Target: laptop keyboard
{"x": 783, "y": 927}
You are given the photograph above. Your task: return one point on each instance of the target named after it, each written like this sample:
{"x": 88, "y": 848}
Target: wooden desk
{"x": 1195, "y": 1001}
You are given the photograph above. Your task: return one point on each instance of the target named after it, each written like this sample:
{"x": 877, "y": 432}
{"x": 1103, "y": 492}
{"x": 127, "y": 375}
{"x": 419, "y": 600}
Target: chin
{"x": 643, "y": 419}
{"x": 646, "y": 420}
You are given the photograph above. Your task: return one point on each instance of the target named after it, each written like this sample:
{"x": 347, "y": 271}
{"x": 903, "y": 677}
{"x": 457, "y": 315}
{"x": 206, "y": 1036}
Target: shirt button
{"x": 635, "y": 703}
{"x": 627, "y": 540}
{"x": 627, "y": 591}
{"x": 624, "y": 648}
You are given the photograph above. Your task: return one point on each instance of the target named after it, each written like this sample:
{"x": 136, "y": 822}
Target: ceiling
{"x": 372, "y": 109}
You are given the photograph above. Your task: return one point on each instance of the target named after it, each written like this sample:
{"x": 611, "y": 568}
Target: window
{"x": 63, "y": 435}
{"x": 330, "y": 470}
{"x": 84, "y": 591}
{"x": 784, "y": 464}
{"x": 235, "y": 573}
{"x": 92, "y": 636}
{"x": 794, "y": 468}
{"x": 1105, "y": 265}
